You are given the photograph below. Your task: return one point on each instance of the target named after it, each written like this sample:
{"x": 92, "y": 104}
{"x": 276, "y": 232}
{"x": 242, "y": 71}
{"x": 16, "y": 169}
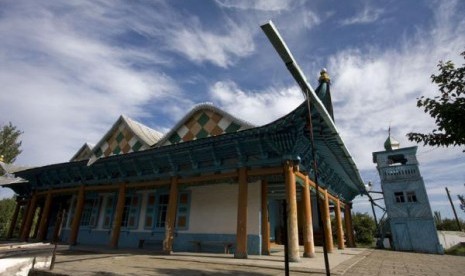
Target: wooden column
{"x": 265, "y": 219}
{"x": 77, "y": 216}
{"x": 241, "y": 232}
{"x": 14, "y": 219}
{"x": 29, "y": 218}
{"x": 340, "y": 231}
{"x": 292, "y": 226}
{"x": 309, "y": 245}
{"x": 43, "y": 223}
{"x": 349, "y": 228}
{"x": 171, "y": 217}
{"x": 58, "y": 224}
{"x": 327, "y": 222}
{"x": 118, "y": 216}
{"x": 39, "y": 218}
{"x": 25, "y": 211}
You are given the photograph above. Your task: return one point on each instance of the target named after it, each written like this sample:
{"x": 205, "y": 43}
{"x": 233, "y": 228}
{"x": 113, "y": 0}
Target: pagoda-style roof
{"x": 256, "y": 147}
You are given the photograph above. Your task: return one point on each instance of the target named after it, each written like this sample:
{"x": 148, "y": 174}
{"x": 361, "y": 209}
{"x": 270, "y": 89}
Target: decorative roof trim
{"x": 131, "y": 124}
{"x": 202, "y": 106}
{"x": 81, "y": 149}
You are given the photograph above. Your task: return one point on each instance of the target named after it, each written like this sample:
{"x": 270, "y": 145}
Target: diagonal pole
{"x": 280, "y": 46}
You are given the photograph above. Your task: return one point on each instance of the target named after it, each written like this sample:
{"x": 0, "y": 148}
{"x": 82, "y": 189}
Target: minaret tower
{"x": 407, "y": 205}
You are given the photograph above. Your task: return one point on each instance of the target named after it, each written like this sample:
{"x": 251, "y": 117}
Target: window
{"x": 411, "y": 196}
{"x": 150, "y": 214}
{"x": 399, "y": 197}
{"x": 90, "y": 211}
{"x": 157, "y": 210}
{"x": 162, "y": 210}
{"x": 109, "y": 209}
{"x": 183, "y": 210}
{"x": 131, "y": 211}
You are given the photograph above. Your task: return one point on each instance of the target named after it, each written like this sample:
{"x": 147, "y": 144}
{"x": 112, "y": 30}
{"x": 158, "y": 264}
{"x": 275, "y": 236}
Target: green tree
{"x": 448, "y": 109}
{"x": 449, "y": 224}
{"x": 7, "y": 207}
{"x": 462, "y": 202}
{"x": 10, "y": 143}
{"x": 364, "y": 228}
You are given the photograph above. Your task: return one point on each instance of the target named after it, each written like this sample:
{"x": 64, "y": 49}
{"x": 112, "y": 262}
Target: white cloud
{"x": 260, "y": 107}
{"x": 263, "y": 5}
{"x": 201, "y": 45}
{"x": 367, "y": 15}
{"x": 63, "y": 85}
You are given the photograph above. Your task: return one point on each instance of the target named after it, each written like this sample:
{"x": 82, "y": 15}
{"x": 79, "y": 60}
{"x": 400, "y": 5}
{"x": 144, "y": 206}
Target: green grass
{"x": 457, "y": 250}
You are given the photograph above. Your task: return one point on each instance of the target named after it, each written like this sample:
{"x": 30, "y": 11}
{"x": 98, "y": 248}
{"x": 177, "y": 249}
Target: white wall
{"x": 450, "y": 238}
{"x": 213, "y": 209}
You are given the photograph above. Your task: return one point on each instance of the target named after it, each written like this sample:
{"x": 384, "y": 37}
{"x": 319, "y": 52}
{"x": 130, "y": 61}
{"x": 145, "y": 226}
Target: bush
{"x": 364, "y": 228}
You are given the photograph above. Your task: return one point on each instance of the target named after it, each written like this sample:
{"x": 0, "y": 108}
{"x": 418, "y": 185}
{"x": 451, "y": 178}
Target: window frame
{"x": 153, "y": 211}
{"x": 399, "y": 197}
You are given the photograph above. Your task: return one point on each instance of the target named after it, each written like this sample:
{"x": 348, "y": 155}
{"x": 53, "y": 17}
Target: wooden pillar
{"x": 118, "y": 216}
{"x": 171, "y": 217}
{"x": 265, "y": 219}
{"x": 292, "y": 226}
{"x": 43, "y": 222}
{"x": 309, "y": 245}
{"x": 14, "y": 219}
{"x": 58, "y": 224}
{"x": 29, "y": 218}
{"x": 327, "y": 222}
{"x": 349, "y": 228}
{"x": 241, "y": 232}
{"x": 340, "y": 231}
{"x": 39, "y": 218}
{"x": 25, "y": 211}
{"x": 77, "y": 216}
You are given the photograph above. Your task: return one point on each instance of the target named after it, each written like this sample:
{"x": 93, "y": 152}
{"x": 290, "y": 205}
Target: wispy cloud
{"x": 365, "y": 16}
{"x": 221, "y": 49}
{"x": 63, "y": 84}
{"x": 263, "y": 5}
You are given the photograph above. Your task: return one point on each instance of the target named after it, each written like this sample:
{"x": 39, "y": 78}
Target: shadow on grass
{"x": 457, "y": 250}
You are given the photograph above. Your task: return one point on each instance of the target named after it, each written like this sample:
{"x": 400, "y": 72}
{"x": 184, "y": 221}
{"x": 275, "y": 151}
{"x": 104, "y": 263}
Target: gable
{"x": 203, "y": 121}
{"x": 84, "y": 153}
{"x": 121, "y": 139}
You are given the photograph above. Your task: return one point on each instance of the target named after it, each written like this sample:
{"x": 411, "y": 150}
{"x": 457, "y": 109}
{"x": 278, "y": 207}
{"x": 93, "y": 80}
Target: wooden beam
{"x": 265, "y": 219}
{"x": 13, "y": 220}
{"x": 309, "y": 245}
{"x": 241, "y": 232}
{"x": 331, "y": 197}
{"x": 340, "y": 231}
{"x": 208, "y": 177}
{"x": 77, "y": 216}
{"x": 265, "y": 171}
{"x": 118, "y": 216}
{"x": 292, "y": 225}
{"x": 29, "y": 218}
{"x": 171, "y": 217}
{"x": 349, "y": 228}
{"x": 41, "y": 235}
{"x": 24, "y": 217}
{"x": 327, "y": 222}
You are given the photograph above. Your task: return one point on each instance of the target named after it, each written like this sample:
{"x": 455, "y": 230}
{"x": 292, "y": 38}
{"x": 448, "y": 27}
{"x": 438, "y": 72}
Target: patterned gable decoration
{"x": 122, "y": 140}
{"x": 84, "y": 153}
{"x": 203, "y": 121}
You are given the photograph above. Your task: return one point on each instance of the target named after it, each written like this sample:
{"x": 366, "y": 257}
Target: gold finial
{"x": 324, "y": 77}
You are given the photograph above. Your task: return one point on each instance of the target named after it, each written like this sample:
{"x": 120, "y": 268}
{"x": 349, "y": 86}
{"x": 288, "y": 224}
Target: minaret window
{"x": 411, "y": 196}
{"x": 399, "y": 197}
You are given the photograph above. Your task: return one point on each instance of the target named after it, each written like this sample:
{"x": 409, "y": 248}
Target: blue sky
{"x": 68, "y": 69}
